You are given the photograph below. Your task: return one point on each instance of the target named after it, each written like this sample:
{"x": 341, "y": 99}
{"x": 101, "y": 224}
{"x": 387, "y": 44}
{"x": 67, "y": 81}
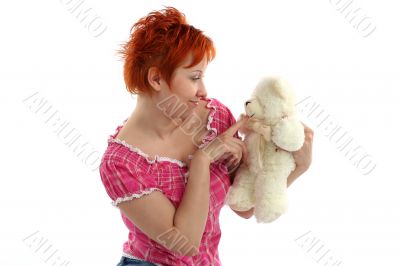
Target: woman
{"x": 169, "y": 166}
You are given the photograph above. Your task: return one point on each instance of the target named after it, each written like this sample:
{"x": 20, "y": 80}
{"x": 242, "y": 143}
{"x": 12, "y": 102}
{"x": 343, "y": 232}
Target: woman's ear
{"x": 154, "y": 78}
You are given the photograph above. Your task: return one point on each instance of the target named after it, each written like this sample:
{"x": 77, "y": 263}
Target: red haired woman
{"x": 167, "y": 167}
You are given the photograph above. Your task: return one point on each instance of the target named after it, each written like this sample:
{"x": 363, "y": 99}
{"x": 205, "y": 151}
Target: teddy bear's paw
{"x": 240, "y": 200}
{"x": 262, "y": 217}
{"x": 240, "y": 204}
{"x": 269, "y": 210}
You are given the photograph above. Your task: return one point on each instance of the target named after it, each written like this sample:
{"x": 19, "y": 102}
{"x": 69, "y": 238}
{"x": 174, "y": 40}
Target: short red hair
{"x": 162, "y": 39}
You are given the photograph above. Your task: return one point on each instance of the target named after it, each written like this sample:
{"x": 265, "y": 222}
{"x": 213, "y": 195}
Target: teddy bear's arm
{"x": 288, "y": 134}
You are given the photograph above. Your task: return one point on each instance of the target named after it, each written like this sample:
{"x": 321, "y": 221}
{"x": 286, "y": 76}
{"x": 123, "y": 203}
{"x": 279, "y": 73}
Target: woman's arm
{"x": 178, "y": 229}
{"x": 294, "y": 175}
{"x": 245, "y": 214}
{"x": 191, "y": 215}
{"x": 302, "y": 157}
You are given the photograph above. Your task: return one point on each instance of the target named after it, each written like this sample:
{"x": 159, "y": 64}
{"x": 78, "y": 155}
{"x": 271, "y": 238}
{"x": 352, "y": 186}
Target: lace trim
{"x": 124, "y": 254}
{"x": 212, "y": 130}
{"x": 158, "y": 158}
{"x": 145, "y": 192}
{"x": 145, "y": 155}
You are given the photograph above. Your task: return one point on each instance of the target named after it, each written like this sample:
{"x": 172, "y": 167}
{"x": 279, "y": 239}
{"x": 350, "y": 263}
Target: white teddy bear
{"x": 262, "y": 181}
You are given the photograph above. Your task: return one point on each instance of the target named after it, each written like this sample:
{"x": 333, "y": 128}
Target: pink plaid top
{"x": 127, "y": 172}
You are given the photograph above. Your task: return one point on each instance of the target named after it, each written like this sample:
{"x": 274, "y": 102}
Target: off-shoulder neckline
{"x": 211, "y": 104}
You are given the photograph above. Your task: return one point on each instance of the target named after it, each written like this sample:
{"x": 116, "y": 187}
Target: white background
{"x": 49, "y": 194}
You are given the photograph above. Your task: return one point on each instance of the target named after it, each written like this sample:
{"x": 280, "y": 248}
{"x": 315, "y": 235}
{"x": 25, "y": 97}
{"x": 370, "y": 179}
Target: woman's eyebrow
{"x": 198, "y": 70}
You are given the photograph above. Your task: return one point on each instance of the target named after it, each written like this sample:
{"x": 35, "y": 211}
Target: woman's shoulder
{"x": 120, "y": 151}
{"x": 214, "y": 102}
{"x": 222, "y": 117}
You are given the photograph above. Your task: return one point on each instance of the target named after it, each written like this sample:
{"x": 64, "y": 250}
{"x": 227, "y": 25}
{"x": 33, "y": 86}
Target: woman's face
{"x": 180, "y": 100}
{"x": 187, "y": 83}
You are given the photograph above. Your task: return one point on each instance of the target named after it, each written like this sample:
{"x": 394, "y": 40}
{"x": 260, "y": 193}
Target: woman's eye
{"x": 196, "y": 78}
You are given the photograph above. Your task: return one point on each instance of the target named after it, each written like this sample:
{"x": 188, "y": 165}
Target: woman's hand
{"x": 302, "y": 157}
{"x": 226, "y": 145}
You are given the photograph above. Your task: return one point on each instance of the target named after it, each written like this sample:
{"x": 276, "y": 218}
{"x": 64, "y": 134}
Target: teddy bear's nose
{"x": 247, "y": 103}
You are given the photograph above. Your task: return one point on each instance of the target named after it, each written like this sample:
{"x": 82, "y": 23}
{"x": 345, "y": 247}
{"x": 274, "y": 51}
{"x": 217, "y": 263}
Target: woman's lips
{"x": 195, "y": 103}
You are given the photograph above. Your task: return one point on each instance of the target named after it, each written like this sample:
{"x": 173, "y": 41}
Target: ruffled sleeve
{"x": 224, "y": 118}
{"x": 123, "y": 181}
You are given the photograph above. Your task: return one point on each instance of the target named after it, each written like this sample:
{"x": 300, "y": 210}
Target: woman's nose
{"x": 202, "y": 92}
{"x": 247, "y": 102}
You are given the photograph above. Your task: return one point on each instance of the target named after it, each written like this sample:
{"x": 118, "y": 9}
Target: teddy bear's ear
{"x": 279, "y": 88}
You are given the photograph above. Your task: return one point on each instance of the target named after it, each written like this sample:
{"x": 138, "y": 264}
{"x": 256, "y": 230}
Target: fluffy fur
{"x": 262, "y": 183}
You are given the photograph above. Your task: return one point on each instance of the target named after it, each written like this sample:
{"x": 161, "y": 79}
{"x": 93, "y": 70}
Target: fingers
{"x": 235, "y": 127}
{"x": 232, "y": 160}
{"x": 226, "y": 145}
{"x": 308, "y": 132}
{"x": 242, "y": 116}
{"x": 242, "y": 147}
{"x": 236, "y": 151}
